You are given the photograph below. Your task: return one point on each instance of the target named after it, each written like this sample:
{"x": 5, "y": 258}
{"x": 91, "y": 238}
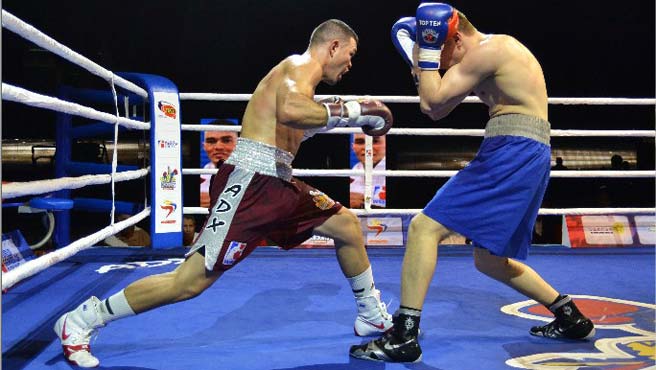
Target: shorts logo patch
{"x": 234, "y": 253}
{"x": 321, "y": 200}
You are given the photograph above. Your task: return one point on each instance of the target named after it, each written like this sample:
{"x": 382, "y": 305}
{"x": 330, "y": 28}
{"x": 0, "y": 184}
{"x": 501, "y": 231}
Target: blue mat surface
{"x": 294, "y": 310}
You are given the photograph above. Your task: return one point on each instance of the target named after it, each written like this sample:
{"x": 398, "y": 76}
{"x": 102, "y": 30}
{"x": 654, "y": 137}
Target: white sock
{"x": 115, "y": 307}
{"x": 363, "y": 284}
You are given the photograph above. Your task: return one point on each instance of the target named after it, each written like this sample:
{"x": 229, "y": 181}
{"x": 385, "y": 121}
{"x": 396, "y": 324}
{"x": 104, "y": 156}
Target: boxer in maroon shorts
{"x": 283, "y": 212}
{"x": 254, "y": 196}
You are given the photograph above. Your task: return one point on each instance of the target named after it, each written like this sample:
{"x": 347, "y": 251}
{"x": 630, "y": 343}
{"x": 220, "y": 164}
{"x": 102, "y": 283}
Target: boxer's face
{"x": 340, "y": 64}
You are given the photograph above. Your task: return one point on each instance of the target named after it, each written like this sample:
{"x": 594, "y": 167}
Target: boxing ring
{"x": 293, "y": 310}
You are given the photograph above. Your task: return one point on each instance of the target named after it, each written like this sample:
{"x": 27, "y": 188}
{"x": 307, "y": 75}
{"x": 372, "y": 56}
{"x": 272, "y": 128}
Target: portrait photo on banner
{"x": 217, "y": 147}
{"x": 357, "y": 159}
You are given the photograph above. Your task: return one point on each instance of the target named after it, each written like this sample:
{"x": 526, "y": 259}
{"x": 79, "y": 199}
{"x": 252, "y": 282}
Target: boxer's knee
{"x": 485, "y": 262}
{"x": 184, "y": 289}
{"x": 343, "y": 227}
{"x": 424, "y": 225}
{"x": 192, "y": 279}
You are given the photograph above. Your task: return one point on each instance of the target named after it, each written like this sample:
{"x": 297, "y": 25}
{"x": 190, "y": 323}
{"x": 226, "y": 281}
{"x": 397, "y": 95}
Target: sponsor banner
{"x": 15, "y": 250}
{"x": 379, "y": 196}
{"x": 166, "y": 163}
{"x": 168, "y": 212}
{"x": 383, "y": 231}
{"x": 607, "y": 230}
{"x": 167, "y": 148}
{"x": 167, "y": 126}
{"x": 610, "y": 230}
{"x": 378, "y": 231}
{"x": 646, "y": 229}
{"x": 167, "y": 107}
{"x": 169, "y": 207}
{"x": 168, "y": 176}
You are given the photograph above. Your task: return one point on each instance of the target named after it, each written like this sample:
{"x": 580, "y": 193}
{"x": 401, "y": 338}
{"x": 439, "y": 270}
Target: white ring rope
{"x": 20, "y": 95}
{"x": 34, "y": 266}
{"x": 114, "y": 154}
{"x": 433, "y": 173}
{"x": 411, "y": 211}
{"x": 187, "y": 127}
{"x": 14, "y": 24}
{"x": 444, "y": 131}
{"x": 18, "y": 189}
{"x": 542, "y": 212}
{"x": 415, "y": 99}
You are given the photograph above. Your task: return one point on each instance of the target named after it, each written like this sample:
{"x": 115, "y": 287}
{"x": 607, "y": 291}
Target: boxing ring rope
{"x": 415, "y": 99}
{"x": 435, "y": 173}
{"x": 414, "y": 211}
{"x": 35, "y": 266}
{"x": 20, "y": 95}
{"x": 17, "y": 189}
{"x": 449, "y": 173}
{"x": 448, "y": 131}
{"x": 17, "y": 26}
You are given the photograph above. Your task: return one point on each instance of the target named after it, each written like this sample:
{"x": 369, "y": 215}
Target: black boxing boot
{"x": 399, "y": 344}
{"x": 569, "y": 323}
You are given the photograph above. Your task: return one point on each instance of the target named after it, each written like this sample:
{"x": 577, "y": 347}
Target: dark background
{"x": 586, "y": 48}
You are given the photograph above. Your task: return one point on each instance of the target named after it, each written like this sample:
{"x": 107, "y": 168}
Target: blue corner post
{"x": 165, "y": 159}
{"x": 64, "y": 123}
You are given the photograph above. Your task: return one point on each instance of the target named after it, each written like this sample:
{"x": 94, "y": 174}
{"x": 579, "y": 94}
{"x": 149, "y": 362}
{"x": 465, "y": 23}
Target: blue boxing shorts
{"x": 495, "y": 199}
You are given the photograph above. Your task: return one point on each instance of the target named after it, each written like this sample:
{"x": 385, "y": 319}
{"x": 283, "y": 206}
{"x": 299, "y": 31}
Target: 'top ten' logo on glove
{"x": 436, "y": 22}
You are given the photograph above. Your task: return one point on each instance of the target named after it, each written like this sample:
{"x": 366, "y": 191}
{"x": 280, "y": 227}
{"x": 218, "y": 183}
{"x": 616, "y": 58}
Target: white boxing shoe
{"x": 373, "y": 318}
{"x": 75, "y": 329}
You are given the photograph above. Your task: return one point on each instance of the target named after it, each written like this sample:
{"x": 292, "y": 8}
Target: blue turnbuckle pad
{"x": 51, "y": 204}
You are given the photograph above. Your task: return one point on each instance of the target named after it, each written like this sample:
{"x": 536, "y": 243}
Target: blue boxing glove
{"x": 404, "y": 34}
{"x": 436, "y": 22}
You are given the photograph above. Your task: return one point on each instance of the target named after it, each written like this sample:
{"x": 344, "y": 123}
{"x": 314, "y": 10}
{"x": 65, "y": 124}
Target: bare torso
{"x": 260, "y": 122}
{"x": 518, "y": 84}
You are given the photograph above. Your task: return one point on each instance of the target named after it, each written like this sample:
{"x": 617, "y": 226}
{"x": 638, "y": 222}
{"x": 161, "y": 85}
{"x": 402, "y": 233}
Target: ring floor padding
{"x": 294, "y": 310}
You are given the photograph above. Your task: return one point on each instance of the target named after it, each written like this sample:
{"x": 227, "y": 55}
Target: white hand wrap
{"x": 430, "y": 56}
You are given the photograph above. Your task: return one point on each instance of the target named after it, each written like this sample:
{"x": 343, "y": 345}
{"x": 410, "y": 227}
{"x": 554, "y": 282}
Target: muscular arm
{"x": 294, "y": 104}
{"x": 439, "y": 95}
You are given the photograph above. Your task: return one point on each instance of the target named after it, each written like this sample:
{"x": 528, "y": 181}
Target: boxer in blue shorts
{"x": 493, "y": 201}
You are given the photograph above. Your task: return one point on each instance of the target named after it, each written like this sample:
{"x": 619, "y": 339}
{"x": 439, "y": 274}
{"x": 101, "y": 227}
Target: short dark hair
{"x": 332, "y": 29}
{"x": 220, "y": 122}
